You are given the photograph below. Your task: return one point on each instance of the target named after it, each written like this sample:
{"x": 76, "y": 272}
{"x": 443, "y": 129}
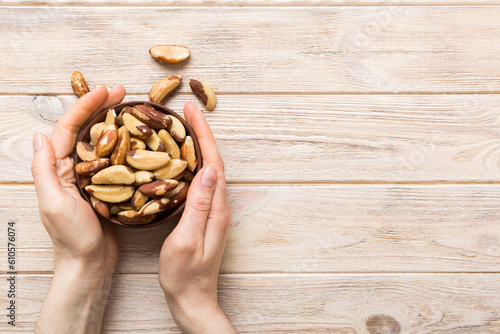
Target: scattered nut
{"x": 204, "y": 93}
{"x": 170, "y": 54}
{"x": 188, "y": 153}
{"x": 79, "y": 85}
{"x": 110, "y": 193}
{"x": 158, "y": 188}
{"x": 164, "y": 87}
{"x": 171, "y": 146}
{"x": 85, "y": 151}
{"x": 107, "y": 141}
{"x": 92, "y": 166}
{"x": 147, "y": 160}
{"x": 118, "y": 174}
{"x": 136, "y": 127}
{"x": 173, "y": 168}
{"x": 177, "y": 130}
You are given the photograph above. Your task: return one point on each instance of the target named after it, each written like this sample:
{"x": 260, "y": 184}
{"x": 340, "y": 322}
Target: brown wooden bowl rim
{"x": 84, "y": 135}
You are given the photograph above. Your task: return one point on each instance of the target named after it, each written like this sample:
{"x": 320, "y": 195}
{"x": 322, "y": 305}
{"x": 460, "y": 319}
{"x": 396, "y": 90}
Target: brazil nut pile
{"x": 137, "y": 164}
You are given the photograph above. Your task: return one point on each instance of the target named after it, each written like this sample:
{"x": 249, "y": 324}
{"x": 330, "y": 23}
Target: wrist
{"x": 200, "y": 317}
{"x": 76, "y": 299}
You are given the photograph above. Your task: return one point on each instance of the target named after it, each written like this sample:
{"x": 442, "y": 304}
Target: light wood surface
{"x": 361, "y": 145}
{"x": 320, "y": 138}
{"x": 328, "y": 303}
{"x": 354, "y": 228}
{"x": 254, "y": 49}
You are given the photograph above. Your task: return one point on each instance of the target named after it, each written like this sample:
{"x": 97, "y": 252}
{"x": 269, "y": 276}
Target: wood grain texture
{"x": 381, "y": 138}
{"x": 371, "y": 228}
{"x": 248, "y": 2}
{"x": 389, "y": 49}
{"x": 419, "y": 303}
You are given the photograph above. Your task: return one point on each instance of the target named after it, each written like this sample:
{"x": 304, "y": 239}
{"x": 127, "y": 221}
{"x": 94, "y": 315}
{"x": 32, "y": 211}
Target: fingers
{"x": 197, "y": 122}
{"x": 65, "y": 131}
{"x": 198, "y": 203}
{"x": 220, "y": 214}
{"x": 43, "y": 169}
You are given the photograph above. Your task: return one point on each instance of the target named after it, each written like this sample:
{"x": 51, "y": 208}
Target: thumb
{"x": 198, "y": 203}
{"x": 43, "y": 169}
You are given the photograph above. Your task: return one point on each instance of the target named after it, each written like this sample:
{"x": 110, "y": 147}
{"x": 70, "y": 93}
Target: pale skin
{"x": 86, "y": 250}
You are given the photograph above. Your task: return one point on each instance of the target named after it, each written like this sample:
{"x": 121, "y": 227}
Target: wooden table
{"x": 361, "y": 142}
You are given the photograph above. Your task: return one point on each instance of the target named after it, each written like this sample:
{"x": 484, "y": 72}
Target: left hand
{"x": 85, "y": 251}
{"x": 71, "y": 222}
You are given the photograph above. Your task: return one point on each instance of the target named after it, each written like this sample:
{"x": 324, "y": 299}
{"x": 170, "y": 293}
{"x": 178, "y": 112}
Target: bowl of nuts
{"x": 134, "y": 163}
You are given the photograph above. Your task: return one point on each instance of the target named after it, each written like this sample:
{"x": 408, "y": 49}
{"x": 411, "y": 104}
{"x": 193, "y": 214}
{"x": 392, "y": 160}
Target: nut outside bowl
{"x": 84, "y": 135}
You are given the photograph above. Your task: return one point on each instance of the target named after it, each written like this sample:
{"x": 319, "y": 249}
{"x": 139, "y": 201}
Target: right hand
{"x": 191, "y": 255}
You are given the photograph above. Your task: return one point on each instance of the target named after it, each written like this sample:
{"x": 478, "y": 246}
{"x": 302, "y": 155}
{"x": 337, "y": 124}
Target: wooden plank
{"x": 351, "y": 228}
{"x": 416, "y": 303}
{"x": 389, "y": 49}
{"x": 205, "y": 3}
{"x": 380, "y": 138}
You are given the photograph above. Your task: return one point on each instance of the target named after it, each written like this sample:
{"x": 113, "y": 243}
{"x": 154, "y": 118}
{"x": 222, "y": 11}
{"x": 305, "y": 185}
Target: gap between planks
{"x": 336, "y": 93}
{"x": 289, "y": 274}
{"x": 395, "y": 3}
{"x": 322, "y": 184}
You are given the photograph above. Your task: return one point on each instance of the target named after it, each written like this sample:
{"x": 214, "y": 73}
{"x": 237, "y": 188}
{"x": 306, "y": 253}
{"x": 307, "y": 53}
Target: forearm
{"x": 76, "y": 300}
{"x": 191, "y": 320}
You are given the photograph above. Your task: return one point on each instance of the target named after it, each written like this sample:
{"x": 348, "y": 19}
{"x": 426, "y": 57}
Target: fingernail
{"x": 208, "y": 177}
{"x": 37, "y": 141}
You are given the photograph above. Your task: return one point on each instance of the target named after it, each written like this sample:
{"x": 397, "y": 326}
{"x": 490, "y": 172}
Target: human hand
{"x": 85, "y": 251}
{"x": 191, "y": 255}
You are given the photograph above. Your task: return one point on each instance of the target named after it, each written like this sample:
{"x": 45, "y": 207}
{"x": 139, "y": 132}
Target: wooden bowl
{"x": 84, "y": 135}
